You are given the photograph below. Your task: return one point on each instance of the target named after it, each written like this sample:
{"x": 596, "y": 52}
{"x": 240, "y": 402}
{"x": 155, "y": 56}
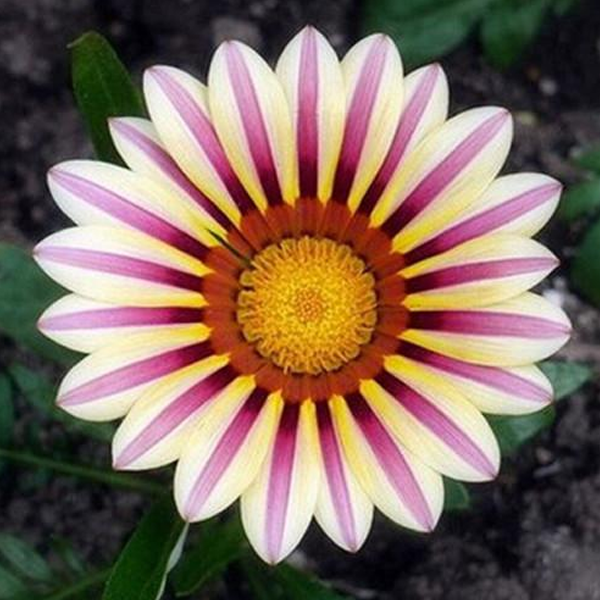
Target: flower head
{"x": 306, "y": 288}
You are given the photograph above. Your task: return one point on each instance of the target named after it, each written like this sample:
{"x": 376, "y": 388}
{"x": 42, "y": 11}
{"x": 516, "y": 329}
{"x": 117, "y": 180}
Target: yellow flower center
{"x": 307, "y": 304}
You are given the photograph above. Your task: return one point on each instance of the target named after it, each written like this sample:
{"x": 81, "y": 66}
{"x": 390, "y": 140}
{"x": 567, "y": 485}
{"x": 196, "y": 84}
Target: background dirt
{"x": 533, "y": 534}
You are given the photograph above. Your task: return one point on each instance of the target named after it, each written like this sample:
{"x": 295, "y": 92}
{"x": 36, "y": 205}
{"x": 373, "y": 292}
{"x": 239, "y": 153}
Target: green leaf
{"x": 41, "y": 394}
{"x": 513, "y": 432}
{"x": 562, "y": 7}
{"x": 24, "y": 293}
{"x": 565, "y": 377}
{"x": 585, "y": 270}
{"x": 11, "y": 587}
{"x": 424, "y": 29}
{"x": 7, "y": 413}
{"x": 456, "y": 496}
{"x": 24, "y": 559}
{"x": 219, "y": 546}
{"x": 81, "y": 589}
{"x": 590, "y": 159}
{"x": 104, "y": 476}
{"x": 285, "y": 583}
{"x": 141, "y": 570}
{"x": 71, "y": 562}
{"x": 103, "y": 89}
{"x": 510, "y": 27}
{"x": 581, "y": 200}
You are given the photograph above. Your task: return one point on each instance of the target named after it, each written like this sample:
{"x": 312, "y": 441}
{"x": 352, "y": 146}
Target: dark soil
{"x": 533, "y": 534}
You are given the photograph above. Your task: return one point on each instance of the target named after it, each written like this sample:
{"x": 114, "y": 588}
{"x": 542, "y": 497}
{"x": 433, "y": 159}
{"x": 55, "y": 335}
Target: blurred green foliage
{"x": 581, "y": 205}
{"x": 426, "y": 30}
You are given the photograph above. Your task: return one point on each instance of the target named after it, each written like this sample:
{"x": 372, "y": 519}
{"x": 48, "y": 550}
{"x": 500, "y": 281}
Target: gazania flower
{"x": 306, "y": 288}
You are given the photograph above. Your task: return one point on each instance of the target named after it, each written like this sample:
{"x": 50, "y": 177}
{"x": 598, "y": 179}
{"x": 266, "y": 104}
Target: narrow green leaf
{"x": 106, "y": 477}
{"x": 11, "y": 587}
{"x": 424, "y": 29}
{"x": 220, "y": 544}
{"x": 582, "y": 200}
{"x": 102, "y": 89}
{"x": 41, "y": 394}
{"x": 24, "y": 559}
{"x": 24, "y": 293}
{"x": 513, "y": 432}
{"x": 565, "y": 377}
{"x": 72, "y": 563}
{"x": 456, "y": 496}
{"x": 590, "y": 159}
{"x": 141, "y": 570}
{"x": 585, "y": 271}
{"x": 7, "y": 413}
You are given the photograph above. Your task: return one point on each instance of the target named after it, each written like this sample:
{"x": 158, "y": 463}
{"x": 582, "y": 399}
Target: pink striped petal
{"x": 425, "y": 107}
{"x": 225, "y": 453}
{"x": 86, "y": 325}
{"x": 519, "y": 204}
{"x": 398, "y": 483}
{"x": 434, "y": 421}
{"x": 122, "y": 267}
{"x": 278, "y": 507}
{"x": 343, "y": 510}
{"x": 519, "y": 331}
{"x": 310, "y": 73}
{"x": 444, "y": 175}
{"x": 178, "y": 107}
{"x": 94, "y": 193}
{"x": 253, "y": 121}
{"x": 518, "y": 390}
{"x": 138, "y": 143}
{"x": 374, "y": 85}
{"x": 105, "y": 384}
{"x": 156, "y": 430}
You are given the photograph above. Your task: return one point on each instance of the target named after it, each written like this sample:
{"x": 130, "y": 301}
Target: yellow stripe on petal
{"x": 433, "y": 420}
{"x": 483, "y": 271}
{"x": 444, "y": 174}
{"x": 523, "y": 330}
{"x": 178, "y": 107}
{"x": 104, "y": 385}
{"x": 121, "y": 266}
{"x": 224, "y": 454}
{"x": 252, "y": 118}
{"x": 399, "y": 484}
{"x": 373, "y": 76}
{"x": 310, "y": 74}
{"x": 278, "y": 506}
{"x": 157, "y": 430}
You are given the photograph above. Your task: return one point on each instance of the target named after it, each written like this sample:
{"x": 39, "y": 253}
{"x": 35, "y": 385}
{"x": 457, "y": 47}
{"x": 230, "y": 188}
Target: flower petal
{"x": 511, "y": 391}
{"x": 373, "y": 76}
{"x": 343, "y": 510}
{"x": 121, "y": 266}
{"x": 516, "y": 332}
{"x": 95, "y": 193}
{"x": 252, "y": 118}
{"x": 86, "y": 325}
{"x": 156, "y": 431}
{"x": 178, "y": 106}
{"x": 445, "y": 173}
{"x": 520, "y": 204}
{"x": 399, "y": 484}
{"x": 425, "y": 108}
{"x": 141, "y": 148}
{"x": 104, "y": 385}
{"x": 310, "y": 74}
{"x": 433, "y": 420}
{"x": 223, "y": 456}
{"x": 483, "y": 271}
{"x": 278, "y": 506}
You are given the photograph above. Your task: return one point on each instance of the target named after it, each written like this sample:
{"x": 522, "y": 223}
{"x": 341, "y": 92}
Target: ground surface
{"x": 533, "y": 534}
